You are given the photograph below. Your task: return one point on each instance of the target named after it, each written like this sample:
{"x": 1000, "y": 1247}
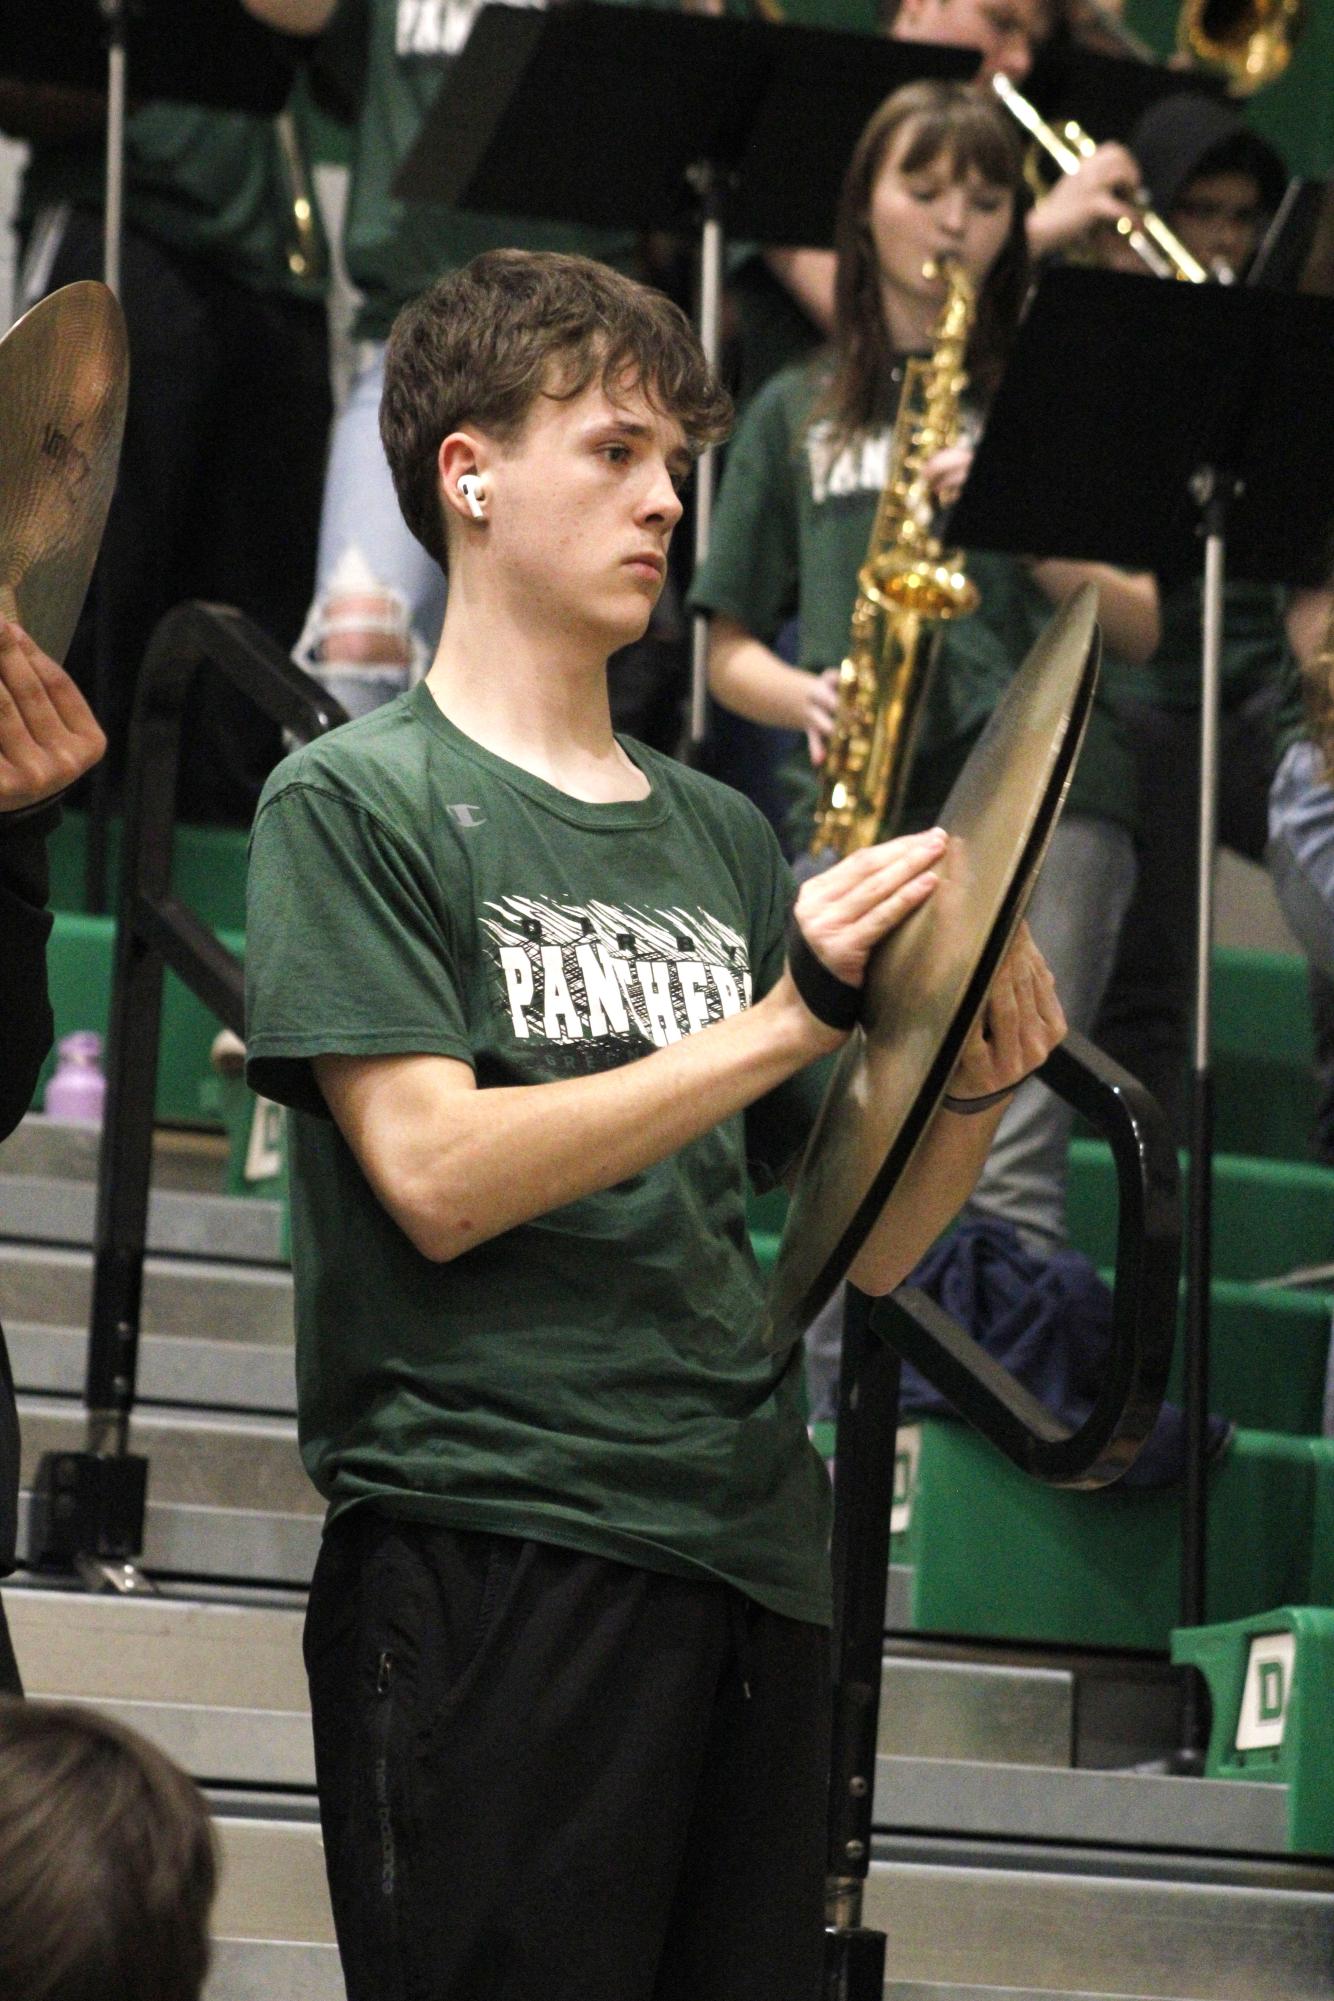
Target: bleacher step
{"x": 182, "y": 1296}
{"x": 47, "y": 1209}
{"x": 932, "y": 1990}
{"x": 273, "y": 1886}
{"x": 163, "y": 1649}
{"x": 173, "y": 1368}
{"x": 1048, "y": 1930}
{"x": 976, "y": 1711}
{"x": 224, "y": 1747}
{"x": 193, "y": 1458}
{"x": 1141, "y": 1810}
{"x": 70, "y": 1149}
{"x": 263, "y": 1970}
{"x": 242, "y": 1545}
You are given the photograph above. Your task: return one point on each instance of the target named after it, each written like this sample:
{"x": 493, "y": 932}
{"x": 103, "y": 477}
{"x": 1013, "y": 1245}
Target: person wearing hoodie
{"x": 1215, "y": 182}
{"x": 49, "y": 737}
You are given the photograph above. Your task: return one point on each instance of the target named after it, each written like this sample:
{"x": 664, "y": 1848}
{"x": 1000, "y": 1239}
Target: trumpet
{"x": 1156, "y": 246}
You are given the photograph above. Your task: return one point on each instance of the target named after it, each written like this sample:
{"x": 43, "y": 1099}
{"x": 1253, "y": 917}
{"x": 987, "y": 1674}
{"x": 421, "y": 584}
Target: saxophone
{"x": 905, "y": 586}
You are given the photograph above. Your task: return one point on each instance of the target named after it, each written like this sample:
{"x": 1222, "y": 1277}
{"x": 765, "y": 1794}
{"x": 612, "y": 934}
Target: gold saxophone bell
{"x": 1250, "y": 41}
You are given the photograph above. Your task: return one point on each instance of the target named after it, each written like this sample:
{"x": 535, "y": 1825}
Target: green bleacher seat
{"x": 1270, "y": 1216}
{"x": 1271, "y": 1686}
{"x": 995, "y": 1556}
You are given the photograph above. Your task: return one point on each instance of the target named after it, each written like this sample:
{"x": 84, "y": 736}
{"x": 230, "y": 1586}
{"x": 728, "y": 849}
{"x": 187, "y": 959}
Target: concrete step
{"x": 242, "y": 1461}
{"x": 183, "y": 1296}
{"x": 1059, "y": 1930}
{"x": 173, "y": 1368}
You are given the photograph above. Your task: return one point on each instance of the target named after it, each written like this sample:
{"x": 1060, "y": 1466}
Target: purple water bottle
{"x": 78, "y": 1089}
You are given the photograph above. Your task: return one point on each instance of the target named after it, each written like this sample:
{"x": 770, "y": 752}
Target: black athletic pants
{"x": 548, "y": 1777}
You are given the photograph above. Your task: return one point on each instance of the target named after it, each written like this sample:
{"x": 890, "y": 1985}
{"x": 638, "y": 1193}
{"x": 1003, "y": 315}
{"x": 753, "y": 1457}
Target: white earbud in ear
{"x": 471, "y": 489}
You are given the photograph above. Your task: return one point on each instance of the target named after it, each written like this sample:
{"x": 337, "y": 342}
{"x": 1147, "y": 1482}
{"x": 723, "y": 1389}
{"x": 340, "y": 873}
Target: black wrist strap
{"x": 967, "y": 1108}
{"x": 830, "y": 999}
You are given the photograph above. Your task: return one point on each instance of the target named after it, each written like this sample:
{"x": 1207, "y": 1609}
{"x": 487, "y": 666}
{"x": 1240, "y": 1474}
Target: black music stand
{"x": 629, "y": 118}
{"x": 1133, "y": 421}
{"x": 1107, "y": 95}
{"x": 227, "y": 59}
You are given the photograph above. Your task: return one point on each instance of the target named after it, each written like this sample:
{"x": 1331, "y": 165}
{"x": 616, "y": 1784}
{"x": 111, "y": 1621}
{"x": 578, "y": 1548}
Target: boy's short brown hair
{"x": 484, "y": 343}
{"x": 107, "y": 1862}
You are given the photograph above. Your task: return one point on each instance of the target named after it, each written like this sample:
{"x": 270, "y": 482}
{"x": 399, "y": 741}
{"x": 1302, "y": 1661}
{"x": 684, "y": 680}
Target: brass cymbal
{"x": 927, "y": 980}
{"x": 64, "y": 373}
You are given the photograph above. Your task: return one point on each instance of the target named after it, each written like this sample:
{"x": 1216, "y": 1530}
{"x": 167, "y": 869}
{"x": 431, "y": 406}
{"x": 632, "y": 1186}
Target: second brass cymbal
{"x": 64, "y": 376}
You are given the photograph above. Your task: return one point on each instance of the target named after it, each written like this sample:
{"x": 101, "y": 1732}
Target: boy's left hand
{"x": 1020, "y": 1023}
{"x": 48, "y": 734}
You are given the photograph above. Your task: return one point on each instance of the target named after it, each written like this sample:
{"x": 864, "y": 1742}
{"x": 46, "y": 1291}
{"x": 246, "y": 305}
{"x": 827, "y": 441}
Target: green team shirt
{"x": 790, "y": 530}
{"x": 212, "y": 184}
{"x": 595, "y": 1377}
{"x": 1255, "y": 650}
{"x": 396, "y": 249}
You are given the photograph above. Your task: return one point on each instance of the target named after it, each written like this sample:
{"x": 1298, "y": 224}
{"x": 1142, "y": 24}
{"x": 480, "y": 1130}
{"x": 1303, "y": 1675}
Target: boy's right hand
{"x": 844, "y": 912}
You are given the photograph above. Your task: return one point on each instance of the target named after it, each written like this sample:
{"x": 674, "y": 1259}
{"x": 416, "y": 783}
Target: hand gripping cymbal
{"x": 927, "y": 980}
{"x": 64, "y": 374}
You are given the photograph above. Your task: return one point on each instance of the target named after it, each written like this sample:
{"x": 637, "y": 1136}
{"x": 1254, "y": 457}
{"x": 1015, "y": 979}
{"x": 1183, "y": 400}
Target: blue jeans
{"x": 360, "y": 513}
{"x": 1075, "y": 915}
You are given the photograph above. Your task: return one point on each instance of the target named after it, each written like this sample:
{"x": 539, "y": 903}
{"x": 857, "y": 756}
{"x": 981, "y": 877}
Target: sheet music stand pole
{"x": 113, "y": 223}
{"x": 707, "y": 180}
{"x": 113, "y": 13}
{"x": 1211, "y": 490}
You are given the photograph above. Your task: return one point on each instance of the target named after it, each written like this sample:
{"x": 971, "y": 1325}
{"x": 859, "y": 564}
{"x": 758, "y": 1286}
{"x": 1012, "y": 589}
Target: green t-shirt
{"x": 773, "y": 332}
{"x": 1255, "y": 650}
{"x": 395, "y": 249}
{"x": 211, "y": 184}
{"x": 593, "y": 1378}
{"x": 789, "y": 535}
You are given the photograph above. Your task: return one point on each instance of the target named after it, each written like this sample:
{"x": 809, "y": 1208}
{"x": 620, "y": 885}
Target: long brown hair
{"x": 976, "y": 135}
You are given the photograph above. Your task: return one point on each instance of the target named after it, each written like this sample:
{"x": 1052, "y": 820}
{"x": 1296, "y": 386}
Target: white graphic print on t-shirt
{"x": 439, "y": 27}
{"x": 620, "y": 976}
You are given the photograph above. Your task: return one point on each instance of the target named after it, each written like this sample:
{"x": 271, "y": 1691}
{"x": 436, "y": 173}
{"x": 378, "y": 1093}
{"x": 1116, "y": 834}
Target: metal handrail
{"x": 1148, "y": 1259}
{"x": 990, "y": 1397}
{"x": 100, "y": 1514}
